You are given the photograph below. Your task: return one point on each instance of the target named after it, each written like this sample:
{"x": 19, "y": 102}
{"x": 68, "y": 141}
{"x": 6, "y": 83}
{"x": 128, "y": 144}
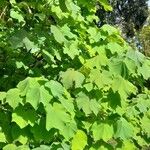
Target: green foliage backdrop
{"x": 66, "y": 84}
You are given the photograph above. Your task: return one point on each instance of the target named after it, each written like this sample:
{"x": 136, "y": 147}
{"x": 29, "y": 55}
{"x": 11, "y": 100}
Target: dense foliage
{"x": 66, "y": 84}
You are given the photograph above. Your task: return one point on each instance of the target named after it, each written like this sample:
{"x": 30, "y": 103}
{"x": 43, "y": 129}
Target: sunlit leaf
{"x": 79, "y": 140}
{"x": 102, "y": 131}
{"x": 72, "y": 78}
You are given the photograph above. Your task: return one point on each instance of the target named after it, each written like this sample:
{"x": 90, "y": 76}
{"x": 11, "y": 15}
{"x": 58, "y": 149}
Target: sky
{"x": 149, "y": 3}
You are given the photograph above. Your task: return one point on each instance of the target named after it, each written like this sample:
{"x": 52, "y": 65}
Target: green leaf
{"x": 24, "y": 116}
{"x": 61, "y": 117}
{"x": 94, "y": 106}
{"x": 142, "y": 105}
{"x": 68, "y": 105}
{"x": 72, "y": 78}
{"x": 2, "y": 96}
{"x": 36, "y": 95}
{"x": 10, "y": 147}
{"x": 95, "y": 35}
{"x": 62, "y": 120}
{"x": 123, "y": 87}
{"x": 20, "y": 64}
{"x": 30, "y": 46}
{"x": 60, "y": 92}
{"x": 74, "y": 9}
{"x": 17, "y": 39}
{"x": 66, "y": 31}
{"x": 16, "y": 15}
{"x": 128, "y": 145}
{"x": 124, "y": 129}
{"x": 79, "y": 140}
{"x": 144, "y": 70}
{"x": 2, "y": 137}
{"x": 88, "y": 106}
{"x": 58, "y": 35}
{"x": 56, "y": 88}
{"x": 97, "y": 61}
{"x": 130, "y": 65}
{"x": 12, "y": 2}
{"x": 102, "y": 131}
{"x": 88, "y": 86}
{"x": 114, "y": 100}
{"x": 27, "y": 84}
{"x": 44, "y": 96}
{"x": 40, "y": 133}
{"x": 13, "y": 98}
{"x": 115, "y": 47}
{"x": 136, "y": 56}
{"x": 146, "y": 125}
{"x": 102, "y": 80}
{"x": 62, "y": 5}
{"x": 83, "y": 103}
{"x": 109, "y": 29}
{"x": 20, "y": 135}
{"x": 106, "y": 5}
{"x": 71, "y": 49}
{"x": 118, "y": 67}
{"x": 23, "y": 147}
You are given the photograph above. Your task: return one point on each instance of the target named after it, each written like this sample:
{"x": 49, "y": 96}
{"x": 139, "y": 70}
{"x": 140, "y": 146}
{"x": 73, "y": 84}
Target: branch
{"x": 3, "y": 12}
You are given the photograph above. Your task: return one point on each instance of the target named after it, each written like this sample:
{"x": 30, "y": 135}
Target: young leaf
{"x": 79, "y": 140}
{"x": 2, "y": 137}
{"x": 10, "y": 147}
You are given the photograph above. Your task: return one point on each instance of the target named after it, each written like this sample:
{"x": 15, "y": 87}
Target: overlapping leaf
{"x": 124, "y": 129}
{"x": 102, "y": 131}
{"x": 123, "y": 87}
{"x": 13, "y": 98}
{"x": 79, "y": 140}
{"x": 72, "y": 78}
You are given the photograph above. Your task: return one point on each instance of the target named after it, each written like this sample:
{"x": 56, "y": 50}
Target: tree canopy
{"x": 66, "y": 84}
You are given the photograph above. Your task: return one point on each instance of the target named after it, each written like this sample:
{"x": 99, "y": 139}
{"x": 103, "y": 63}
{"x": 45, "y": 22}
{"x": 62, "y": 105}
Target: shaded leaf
{"x": 24, "y": 116}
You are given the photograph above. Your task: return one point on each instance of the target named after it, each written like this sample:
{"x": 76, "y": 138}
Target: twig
{"x": 3, "y": 12}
